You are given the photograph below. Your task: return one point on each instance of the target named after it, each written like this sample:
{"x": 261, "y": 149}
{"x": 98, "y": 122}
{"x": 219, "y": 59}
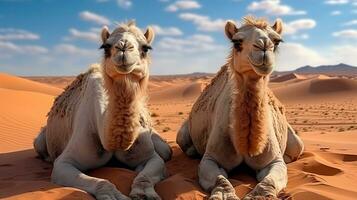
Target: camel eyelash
{"x": 237, "y": 44}
{"x": 146, "y": 48}
{"x": 105, "y": 46}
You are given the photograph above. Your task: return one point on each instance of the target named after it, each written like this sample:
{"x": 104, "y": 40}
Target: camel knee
{"x": 294, "y": 147}
{"x": 208, "y": 172}
{"x": 161, "y": 147}
{"x": 183, "y": 139}
{"x": 40, "y": 145}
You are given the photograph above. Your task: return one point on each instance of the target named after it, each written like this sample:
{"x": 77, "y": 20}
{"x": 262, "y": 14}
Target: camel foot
{"x": 262, "y": 191}
{"x": 143, "y": 189}
{"x": 106, "y": 190}
{"x": 223, "y": 190}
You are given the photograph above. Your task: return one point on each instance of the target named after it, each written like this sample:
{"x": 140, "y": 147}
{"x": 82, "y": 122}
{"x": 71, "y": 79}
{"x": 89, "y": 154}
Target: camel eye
{"x": 238, "y": 44}
{"x": 277, "y": 42}
{"x": 146, "y": 48}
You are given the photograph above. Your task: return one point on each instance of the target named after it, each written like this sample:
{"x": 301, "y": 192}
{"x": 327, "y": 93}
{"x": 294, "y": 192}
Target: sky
{"x": 61, "y": 37}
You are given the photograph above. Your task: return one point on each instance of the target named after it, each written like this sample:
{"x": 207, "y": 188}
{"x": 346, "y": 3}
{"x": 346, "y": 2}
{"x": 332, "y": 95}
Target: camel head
{"x": 126, "y": 51}
{"x": 255, "y": 45}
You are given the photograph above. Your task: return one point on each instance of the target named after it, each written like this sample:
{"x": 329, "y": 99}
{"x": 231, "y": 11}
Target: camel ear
{"x": 230, "y": 29}
{"x": 278, "y": 26}
{"x": 105, "y": 34}
{"x": 149, "y": 35}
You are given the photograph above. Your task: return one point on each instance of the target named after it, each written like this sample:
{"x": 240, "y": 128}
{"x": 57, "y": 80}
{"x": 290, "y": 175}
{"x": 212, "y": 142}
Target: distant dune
{"x": 22, "y": 84}
{"x": 327, "y": 169}
{"x": 317, "y": 89}
{"x": 288, "y": 77}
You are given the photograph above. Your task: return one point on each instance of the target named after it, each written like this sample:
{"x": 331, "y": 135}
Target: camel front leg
{"x": 150, "y": 173}
{"x": 272, "y": 179}
{"x": 65, "y": 173}
{"x": 213, "y": 178}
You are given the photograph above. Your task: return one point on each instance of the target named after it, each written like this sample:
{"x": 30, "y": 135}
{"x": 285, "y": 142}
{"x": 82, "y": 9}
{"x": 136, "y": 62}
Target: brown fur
{"x": 126, "y": 105}
{"x": 250, "y": 114}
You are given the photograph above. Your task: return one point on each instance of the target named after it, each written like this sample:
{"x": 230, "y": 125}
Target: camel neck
{"x": 250, "y": 113}
{"x": 122, "y": 118}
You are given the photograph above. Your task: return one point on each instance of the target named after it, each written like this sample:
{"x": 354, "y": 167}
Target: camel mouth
{"x": 125, "y": 68}
{"x": 261, "y": 69}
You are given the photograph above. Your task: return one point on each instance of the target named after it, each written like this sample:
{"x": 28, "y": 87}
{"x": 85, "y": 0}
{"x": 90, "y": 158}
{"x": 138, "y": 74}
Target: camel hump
{"x": 65, "y": 103}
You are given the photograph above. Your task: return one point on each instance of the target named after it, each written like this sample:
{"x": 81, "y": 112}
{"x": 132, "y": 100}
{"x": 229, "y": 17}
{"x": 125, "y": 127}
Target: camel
{"x": 237, "y": 119}
{"x": 102, "y": 115}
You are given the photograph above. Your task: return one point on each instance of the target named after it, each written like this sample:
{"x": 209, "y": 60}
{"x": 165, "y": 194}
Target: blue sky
{"x": 49, "y": 37}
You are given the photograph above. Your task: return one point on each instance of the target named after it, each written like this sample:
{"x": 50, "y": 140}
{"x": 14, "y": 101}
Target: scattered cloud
{"x": 126, "y": 4}
{"x": 336, "y": 2}
{"x": 195, "y": 53}
{"x": 274, "y": 7}
{"x": 169, "y": 31}
{"x": 295, "y": 26}
{"x": 292, "y": 55}
{"x": 183, "y": 5}
{"x": 203, "y": 23}
{"x": 346, "y": 34}
{"x": 92, "y": 35}
{"x": 194, "y": 43}
{"x": 9, "y": 47}
{"x": 93, "y": 17}
{"x": 17, "y": 34}
{"x": 350, "y": 23}
{"x": 300, "y": 37}
{"x": 335, "y": 12}
{"x": 72, "y": 50}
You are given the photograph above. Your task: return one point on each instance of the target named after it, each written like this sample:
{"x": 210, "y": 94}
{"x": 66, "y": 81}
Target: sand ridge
{"x": 322, "y": 110}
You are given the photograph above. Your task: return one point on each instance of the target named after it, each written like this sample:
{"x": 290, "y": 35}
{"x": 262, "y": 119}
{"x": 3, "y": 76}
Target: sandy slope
{"x": 327, "y": 170}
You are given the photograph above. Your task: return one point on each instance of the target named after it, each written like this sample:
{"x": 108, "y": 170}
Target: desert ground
{"x": 322, "y": 109}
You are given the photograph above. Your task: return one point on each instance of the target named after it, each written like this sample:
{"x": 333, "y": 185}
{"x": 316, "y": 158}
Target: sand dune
{"x": 17, "y": 83}
{"x": 185, "y": 91}
{"x": 288, "y": 77}
{"x": 317, "y": 89}
{"x": 327, "y": 170}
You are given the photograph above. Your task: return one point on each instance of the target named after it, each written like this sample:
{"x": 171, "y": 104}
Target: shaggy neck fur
{"x": 126, "y": 100}
{"x": 249, "y": 113}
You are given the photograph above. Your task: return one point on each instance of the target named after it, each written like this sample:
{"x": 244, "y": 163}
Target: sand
{"x": 322, "y": 110}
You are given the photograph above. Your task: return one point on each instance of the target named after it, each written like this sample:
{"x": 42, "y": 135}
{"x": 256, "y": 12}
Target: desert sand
{"x": 322, "y": 109}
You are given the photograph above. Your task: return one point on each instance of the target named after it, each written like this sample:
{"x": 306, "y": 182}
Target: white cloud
{"x": 346, "y": 34}
{"x": 335, "y": 12}
{"x": 194, "y": 43}
{"x": 17, "y": 34}
{"x": 344, "y": 54}
{"x": 292, "y": 55}
{"x": 126, "y": 4}
{"x": 336, "y": 2}
{"x": 92, "y": 35}
{"x": 93, "y": 17}
{"x": 295, "y": 26}
{"x": 350, "y": 23}
{"x": 274, "y": 7}
{"x": 195, "y": 53}
{"x": 300, "y": 37}
{"x": 204, "y": 23}
{"x": 183, "y": 5}
{"x": 169, "y": 31}
{"x": 72, "y": 50}
{"x": 9, "y": 47}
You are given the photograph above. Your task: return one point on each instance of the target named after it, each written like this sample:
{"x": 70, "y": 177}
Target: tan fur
{"x": 249, "y": 114}
{"x": 252, "y": 21}
{"x": 126, "y": 101}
